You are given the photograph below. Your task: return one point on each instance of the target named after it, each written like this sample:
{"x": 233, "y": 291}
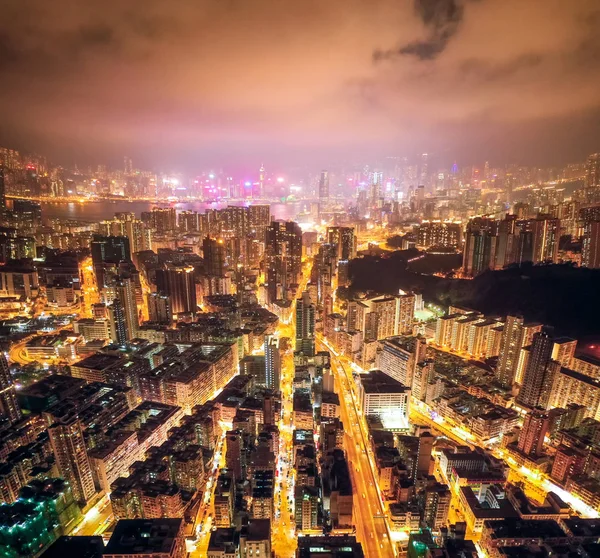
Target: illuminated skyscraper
{"x": 592, "y": 171}
{"x": 214, "y": 256}
{"x": 539, "y": 373}
{"x": 163, "y": 219}
{"x": 177, "y": 282}
{"x": 9, "y": 406}
{"x": 125, "y": 291}
{"x": 324, "y": 185}
{"x": 344, "y": 240}
{"x": 188, "y": 221}
{"x": 261, "y": 182}
{"x": 510, "y": 349}
{"x": 108, "y": 250}
{"x": 480, "y": 246}
{"x": 119, "y": 333}
{"x": 272, "y": 362}
{"x": 590, "y": 249}
{"x": 283, "y": 259}
{"x": 66, "y": 437}
{"x": 159, "y": 308}
{"x": 2, "y": 190}
{"x": 139, "y": 235}
{"x": 259, "y": 218}
{"x": 305, "y": 325}
{"x": 535, "y": 427}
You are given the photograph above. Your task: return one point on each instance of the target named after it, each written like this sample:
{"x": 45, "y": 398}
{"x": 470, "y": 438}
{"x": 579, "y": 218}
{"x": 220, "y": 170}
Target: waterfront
{"x": 100, "y": 210}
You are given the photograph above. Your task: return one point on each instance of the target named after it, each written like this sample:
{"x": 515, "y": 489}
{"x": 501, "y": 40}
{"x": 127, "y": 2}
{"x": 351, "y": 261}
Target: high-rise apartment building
{"x": 2, "y": 189}
{"x": 68, "y": 445}
{"x": 108, "y": 250}
{"x": 118, "y": 330}
{"x": 539, "y": 373}
{"x": 592, "y": 171}
{"x": 515, "y": 336}
{"x": 305, "y": 324}
{"x": 399, "y": 357}
{"x": 510, "y": 348}
{"x": 139, "y": 235}
{"x": 535, "y": 427}
{"x": 384, "y": 316}
{"x": 590, "y": 247}
{"x": 437, "y": 505}
{"x": 480, "y": 246}
{"x": 283, "y": 259}
{"x": 438, "y": 233}
{"x": 214, "y": 256}
{"x": 272, "y": 362}
{"x": 125, "y": 293}
{"x": 159, "y": 308}
{"x": 9, "y": 406}
{"x": 344, "y": 240}
{"x": 187, "y": 221}
{"x": 259, "y": 218}
{"x": 163, "y": 219}
{"x": 177, "y": 282}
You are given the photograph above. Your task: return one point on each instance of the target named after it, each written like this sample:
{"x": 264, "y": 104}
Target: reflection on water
{"x": 98, "y": 211}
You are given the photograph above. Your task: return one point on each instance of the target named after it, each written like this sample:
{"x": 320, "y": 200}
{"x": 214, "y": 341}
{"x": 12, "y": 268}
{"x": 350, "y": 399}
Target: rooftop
{"x": 377, "y": 381}
{"x": 98, "y": 361}
{"x": 525, "y": 528}
{"x": 144, "y": 536}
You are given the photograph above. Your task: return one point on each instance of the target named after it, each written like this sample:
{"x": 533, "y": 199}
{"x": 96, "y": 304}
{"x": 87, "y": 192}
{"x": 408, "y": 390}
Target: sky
{"x": 193, "y": 82}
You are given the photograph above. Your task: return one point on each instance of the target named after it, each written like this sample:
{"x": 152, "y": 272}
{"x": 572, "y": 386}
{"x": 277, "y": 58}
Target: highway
{"x": 283, "y": 534}
{"x": 372, "y": 528}
{"x": 206, "y": 511}
{"x": 536, "y": 485}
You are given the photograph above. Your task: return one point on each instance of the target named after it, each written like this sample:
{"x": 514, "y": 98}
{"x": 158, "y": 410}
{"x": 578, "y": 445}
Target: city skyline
{"x": 300, "y": 279}
{"x": 317, "y": 82}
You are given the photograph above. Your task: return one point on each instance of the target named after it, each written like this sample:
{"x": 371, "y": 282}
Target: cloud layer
{"x": 167, "y": 81}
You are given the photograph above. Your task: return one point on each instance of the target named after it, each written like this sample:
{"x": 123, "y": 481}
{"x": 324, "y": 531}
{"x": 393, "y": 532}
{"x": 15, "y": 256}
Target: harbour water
{"x": 100, "y": 210}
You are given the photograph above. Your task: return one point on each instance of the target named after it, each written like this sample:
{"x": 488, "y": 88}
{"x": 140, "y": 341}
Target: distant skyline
{"x": 185, "y": 85}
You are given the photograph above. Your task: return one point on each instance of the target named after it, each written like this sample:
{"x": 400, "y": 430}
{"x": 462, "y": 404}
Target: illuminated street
{"x": 370, "y": 514}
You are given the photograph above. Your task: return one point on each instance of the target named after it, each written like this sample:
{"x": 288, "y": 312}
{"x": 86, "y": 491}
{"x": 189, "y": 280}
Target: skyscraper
{"x": 344, "y": 241}
{"x": 2, "y": 190}
{"x": 324, "y": 185}
{"x": 259, "y": 218}
{"x": 535, "y": 427}
{"x": 510, "y": 349}
{"x": 305, "y": 325}
{"x": 546, "y": 235}
{"x": 261, "y": 182}
{"x": 125, "y": 291}
{"x": 159, "y": 308}
{"x": 139, "y": 235}
{"x": 177, "y": 282}
{"x": 480, "y": 246}
{"x": 592, "y": 171}
{"x": 539, "y": 373}
{"x": 119, "y": 333}
{"x": 66, "y": 438}
{"x": 111, "y": 250}
{"x": 214, "y": 256}
{"x": 272, "y": 362}
{"x": 163, "y": 219}
{"x": 590, "y": 248}
{"x": 283, "y": 259}
{"x": 9, "y": 406}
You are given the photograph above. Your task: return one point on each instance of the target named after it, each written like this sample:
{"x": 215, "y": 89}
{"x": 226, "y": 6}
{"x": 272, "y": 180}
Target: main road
{"x": 370, "y": 519}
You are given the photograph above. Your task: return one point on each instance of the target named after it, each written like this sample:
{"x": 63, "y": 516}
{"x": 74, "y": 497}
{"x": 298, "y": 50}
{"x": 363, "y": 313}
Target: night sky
{"x": 187, "y": 82}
